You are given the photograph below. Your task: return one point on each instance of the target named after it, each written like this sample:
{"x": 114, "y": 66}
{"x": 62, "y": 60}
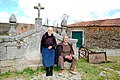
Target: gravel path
{"x": 67, "y": 76}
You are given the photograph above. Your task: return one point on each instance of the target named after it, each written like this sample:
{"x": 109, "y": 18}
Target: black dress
{"x": 48, "y": 55}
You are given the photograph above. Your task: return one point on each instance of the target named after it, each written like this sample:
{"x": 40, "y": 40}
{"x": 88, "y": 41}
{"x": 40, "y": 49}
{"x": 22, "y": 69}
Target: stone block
{"x": 4, "y": 69}
{"x": 8, "y": 69}
{"x": 11, "y": 52}
{"x": 67, "y": 65}
{"x": 38, "y": 23}
{"x": 21, "y": 64}
{"x": 97, "y": 57}
{"x": 20, "y": 53}
{"x": 8, "y": 63}
{"x": 3, "y": 54}
{"x": 34, "y": 62}
{"x": 13, "y": 69}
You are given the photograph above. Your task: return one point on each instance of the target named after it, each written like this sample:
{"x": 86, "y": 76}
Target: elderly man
{"x": 66, "y": 54}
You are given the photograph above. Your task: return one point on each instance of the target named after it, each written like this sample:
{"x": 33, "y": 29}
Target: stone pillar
{"x": 12, "y": 31}
{"x": 63, "y": 33}
{"x": 64, "y": 25}
{"x": 38, "y": 23}
{"x": 12, "y": 20}
{"x": 74, "y": 42}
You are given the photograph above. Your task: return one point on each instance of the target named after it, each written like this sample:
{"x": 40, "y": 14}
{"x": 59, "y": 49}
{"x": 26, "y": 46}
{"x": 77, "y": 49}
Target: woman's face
{"x": 49, "y": 31}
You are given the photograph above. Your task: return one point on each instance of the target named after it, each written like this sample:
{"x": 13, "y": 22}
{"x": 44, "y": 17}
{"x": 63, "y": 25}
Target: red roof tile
{"x": 106, "y": 22}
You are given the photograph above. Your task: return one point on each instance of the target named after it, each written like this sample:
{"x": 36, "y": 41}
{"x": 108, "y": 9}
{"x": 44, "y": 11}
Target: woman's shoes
{"x": 49, "y": 73}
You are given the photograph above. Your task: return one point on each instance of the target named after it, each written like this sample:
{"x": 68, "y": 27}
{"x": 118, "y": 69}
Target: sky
{"x": 77, "y": 10}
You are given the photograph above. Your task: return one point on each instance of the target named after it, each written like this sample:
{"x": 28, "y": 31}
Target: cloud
{"x": 77, "y": 10}
{"x": 117, "y": 15}
{"x": 23, "y": 19}
{"x": 4, "y": 17}
{"x": 27, "y": 6}
{"x": 27, "y": 9}
{"x": 81, "y": 9}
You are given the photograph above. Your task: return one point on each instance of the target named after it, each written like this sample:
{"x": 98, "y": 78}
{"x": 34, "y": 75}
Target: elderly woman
{"x": 48, "y": 44}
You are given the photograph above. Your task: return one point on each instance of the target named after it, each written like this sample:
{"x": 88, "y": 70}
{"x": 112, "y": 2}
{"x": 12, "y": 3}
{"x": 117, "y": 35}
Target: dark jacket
{"x": 59, "y": 48}
{"x": 47, "y": 41}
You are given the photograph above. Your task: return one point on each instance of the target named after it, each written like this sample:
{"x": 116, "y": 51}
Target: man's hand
{"x": 50, "y": 47}
{"x": 68, "y": 57}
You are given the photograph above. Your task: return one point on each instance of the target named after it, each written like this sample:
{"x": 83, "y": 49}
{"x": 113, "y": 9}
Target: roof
{"x": 99, "y": 23}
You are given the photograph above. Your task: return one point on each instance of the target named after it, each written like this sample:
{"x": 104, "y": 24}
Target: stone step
{"x": 35, "y": 66}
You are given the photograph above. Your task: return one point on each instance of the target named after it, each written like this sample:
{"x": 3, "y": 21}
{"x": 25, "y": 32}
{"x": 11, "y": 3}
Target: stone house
{"x": 103, "y": 34}
{"x": 4, "y": 28}
{"x": 20, "y": 28}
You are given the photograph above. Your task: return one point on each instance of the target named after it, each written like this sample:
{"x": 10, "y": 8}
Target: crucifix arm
{"x": 35, "y": 7}
{"x": 42, "y": 7}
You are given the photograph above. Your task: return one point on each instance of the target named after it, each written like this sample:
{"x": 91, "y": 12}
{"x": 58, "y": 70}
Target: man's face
{"x": 65, "y": 39}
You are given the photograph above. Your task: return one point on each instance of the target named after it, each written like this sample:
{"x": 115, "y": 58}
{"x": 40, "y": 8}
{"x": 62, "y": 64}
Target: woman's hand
{"x": 50, "y": 47}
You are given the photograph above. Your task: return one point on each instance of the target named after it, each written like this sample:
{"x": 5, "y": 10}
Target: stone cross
{"x": 39, "y": 7}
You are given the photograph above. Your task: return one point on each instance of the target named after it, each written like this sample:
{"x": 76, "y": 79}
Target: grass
{"x": 4, "y": 34}
{"x": 92, "y": 71}
{"x": 26, "y": 73}
{"x": 113, "y": 63}
{"x": 89, "y": 71}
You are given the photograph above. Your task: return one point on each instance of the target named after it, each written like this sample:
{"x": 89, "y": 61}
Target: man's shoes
{"x": 73, "y": 72}
{"x": 61, "y": 73}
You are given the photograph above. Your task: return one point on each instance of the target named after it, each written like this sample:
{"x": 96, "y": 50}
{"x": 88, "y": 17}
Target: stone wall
{"x": 18, "y": 51}
{"x": 22, "y": 51}
{"x": 20, "y": 28}
{"x": 100, "y": 37}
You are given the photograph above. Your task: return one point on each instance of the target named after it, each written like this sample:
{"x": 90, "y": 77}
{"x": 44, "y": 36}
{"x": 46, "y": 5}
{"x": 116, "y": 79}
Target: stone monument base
{"x": 97, "y": 57}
